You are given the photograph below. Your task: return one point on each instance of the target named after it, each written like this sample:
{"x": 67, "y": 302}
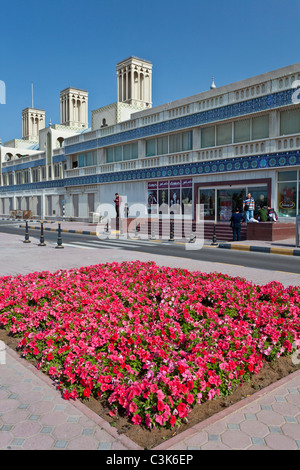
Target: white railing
{"x": 84, "y": 171}
{"x": 58, "y": 151}
{"x": 288, "y": 142}
{"x": 150, "y": 162}
{"x": 179, "y": 158}
{"x": 128, "y": 165}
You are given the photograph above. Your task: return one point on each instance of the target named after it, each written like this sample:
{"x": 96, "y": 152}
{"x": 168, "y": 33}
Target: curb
{"x": 27, "y": 220}
{"x": 261, "y": 249}
{"x": 83, "y": 232}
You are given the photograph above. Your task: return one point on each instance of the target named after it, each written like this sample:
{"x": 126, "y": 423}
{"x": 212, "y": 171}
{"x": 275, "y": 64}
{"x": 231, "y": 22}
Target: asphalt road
{"x": 264, "y": 261}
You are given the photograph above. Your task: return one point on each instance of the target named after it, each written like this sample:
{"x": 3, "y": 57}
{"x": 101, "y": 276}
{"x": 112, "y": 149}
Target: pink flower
{"x": 86, "y": 392}
{"x": 136, "y": 419}
{"x": 190, "y": 398}
{"x": 132, "y": 407}
{"x": 182, "y": 410}
{"x": 160, "y": 405}
{"x": 160, "y": 395}
{"x": 172, "y": 420}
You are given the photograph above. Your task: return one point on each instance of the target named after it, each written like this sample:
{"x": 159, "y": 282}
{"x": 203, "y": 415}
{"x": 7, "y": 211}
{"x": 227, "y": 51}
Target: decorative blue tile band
{"x": 59, "y": 158}
{"x": 23, "y": 166}
{"x": 34, "y": 164}
{"x": 268, "y": 161}
{"x": 262, "y": 103}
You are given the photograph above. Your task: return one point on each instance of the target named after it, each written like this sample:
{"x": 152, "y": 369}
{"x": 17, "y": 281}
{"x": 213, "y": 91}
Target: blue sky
{"x": 74, "y": 43}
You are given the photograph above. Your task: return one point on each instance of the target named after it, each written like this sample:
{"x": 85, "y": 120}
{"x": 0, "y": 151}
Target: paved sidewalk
{"x": 34, "y": 416}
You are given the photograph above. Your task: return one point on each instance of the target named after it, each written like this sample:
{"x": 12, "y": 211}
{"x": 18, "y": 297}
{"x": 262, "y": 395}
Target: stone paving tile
{"x": 254, "y": 428}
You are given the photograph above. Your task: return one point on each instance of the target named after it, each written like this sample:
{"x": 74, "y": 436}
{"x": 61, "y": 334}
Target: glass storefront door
{"x": 260, "y": 196}
{"x": 218, "y": 204}
{"x": 228, "y": 200}
{"x": 207, "y": 198}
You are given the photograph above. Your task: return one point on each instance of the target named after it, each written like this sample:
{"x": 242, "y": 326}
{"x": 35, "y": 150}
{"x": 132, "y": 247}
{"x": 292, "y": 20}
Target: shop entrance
{"x": 219, "y": 203}
{"x": 228, "y": 201}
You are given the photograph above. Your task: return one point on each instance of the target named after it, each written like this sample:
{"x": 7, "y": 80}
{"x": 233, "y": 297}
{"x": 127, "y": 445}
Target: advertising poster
{"x": 152, "y": 196}
{"x": 175, "y": 196}
{"x": 186, "y": 196}
{"x": 163, "y": 194}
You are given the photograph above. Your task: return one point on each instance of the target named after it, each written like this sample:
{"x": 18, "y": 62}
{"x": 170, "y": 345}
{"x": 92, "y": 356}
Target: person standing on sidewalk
{"x": 248, "y": 207}
{"x": 236, "y": 221}
{"x": 117, "y": 204}
{"x": 126, "y": 210}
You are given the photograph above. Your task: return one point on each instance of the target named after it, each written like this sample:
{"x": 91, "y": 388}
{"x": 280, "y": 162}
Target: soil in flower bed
{"x": 149, "y": 438}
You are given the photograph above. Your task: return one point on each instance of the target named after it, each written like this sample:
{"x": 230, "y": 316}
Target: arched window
{"x": 60, "y": 142}
{"x": 8, "y": 157}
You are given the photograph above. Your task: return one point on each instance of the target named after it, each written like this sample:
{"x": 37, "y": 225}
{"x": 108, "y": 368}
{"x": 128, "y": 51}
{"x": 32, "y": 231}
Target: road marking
{"x": 87, "y": 245}
{"x": 76, "y": 246}
{"x": 113, "y": 243}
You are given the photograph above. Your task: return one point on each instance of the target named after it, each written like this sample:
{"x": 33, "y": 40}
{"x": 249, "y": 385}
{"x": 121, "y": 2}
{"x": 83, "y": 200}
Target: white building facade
{"x": 211, "y": 148}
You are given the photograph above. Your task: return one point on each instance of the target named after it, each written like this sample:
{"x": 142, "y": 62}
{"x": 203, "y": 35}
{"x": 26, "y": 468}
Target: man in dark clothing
{"x": 236, "y": 220}
{"x": 117, "y": 204}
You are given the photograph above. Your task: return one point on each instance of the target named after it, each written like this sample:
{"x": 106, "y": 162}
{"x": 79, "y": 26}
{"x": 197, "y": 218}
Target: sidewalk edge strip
{"x": 261, "y": 249}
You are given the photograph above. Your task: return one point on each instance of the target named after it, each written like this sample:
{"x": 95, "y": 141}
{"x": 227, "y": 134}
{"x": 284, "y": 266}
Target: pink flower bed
{"x": 152, "y": 341}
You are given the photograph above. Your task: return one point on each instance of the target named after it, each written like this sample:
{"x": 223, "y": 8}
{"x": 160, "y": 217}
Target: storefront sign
{"x": 187, "y": 183}
{"x": 163, "y": 184}
{"x": 287, "y": 205}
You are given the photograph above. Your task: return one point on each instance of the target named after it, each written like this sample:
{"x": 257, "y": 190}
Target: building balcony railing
{"x": 59, "y": 151}
{"x": 27, "y": 159}
{"x": 262, "y": 146}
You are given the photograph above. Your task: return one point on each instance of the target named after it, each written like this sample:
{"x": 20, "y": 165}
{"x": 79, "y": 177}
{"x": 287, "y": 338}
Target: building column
{"x": 42, "y": 205}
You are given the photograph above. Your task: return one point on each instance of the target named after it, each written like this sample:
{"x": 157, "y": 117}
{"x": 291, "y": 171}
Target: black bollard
{"x": 59, "y": 238}
{"x": 121, "y": 227}
{"x": 171, "y": 239}
{"x": 137, "y": 230}
{"x": 42, "y": 238}
{"x": 153, "y": 237}
{"x": 26, "y": 234}
{"x": 214, "y": 241}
